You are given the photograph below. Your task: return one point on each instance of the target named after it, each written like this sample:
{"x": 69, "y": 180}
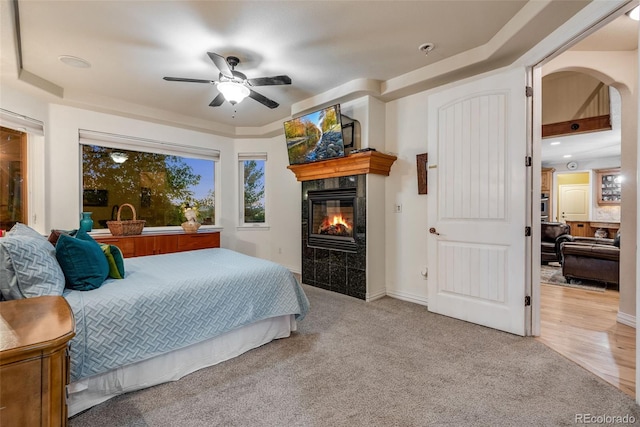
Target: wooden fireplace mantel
{"x": 353, "y": 164}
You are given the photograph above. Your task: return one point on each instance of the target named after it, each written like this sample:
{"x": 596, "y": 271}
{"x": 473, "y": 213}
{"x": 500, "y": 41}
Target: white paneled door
{"x": 477, "y": 184}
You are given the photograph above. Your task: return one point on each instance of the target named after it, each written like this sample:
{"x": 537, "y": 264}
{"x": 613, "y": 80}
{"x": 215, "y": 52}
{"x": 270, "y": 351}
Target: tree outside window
{"x": 254, "y": 191}
{"x": 155, "y": 184}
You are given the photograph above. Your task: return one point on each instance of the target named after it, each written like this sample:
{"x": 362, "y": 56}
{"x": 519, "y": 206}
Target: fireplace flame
{"x": 337, "y": 226}
{"x": 338, "y": 219}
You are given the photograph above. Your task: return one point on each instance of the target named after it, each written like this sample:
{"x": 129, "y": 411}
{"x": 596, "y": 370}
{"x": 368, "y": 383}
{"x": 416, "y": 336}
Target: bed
{"x": 173, "y": 314}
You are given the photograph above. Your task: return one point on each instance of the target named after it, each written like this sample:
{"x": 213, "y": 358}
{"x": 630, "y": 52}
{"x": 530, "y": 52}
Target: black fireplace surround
{"x": 334, "y": 234}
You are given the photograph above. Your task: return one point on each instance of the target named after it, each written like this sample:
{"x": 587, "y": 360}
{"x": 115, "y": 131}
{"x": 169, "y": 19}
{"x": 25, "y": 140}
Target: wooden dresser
{"x": 154, "y": 244}
{"x": 34, "y": 361}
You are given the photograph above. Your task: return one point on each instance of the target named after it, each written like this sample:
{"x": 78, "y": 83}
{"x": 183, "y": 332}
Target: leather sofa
{"x": 552, "y": 235}
{"x": 592, "y": 259}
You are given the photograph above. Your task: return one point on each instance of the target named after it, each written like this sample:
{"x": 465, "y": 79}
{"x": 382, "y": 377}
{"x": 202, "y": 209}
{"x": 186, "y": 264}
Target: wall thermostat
{"x": 572, "y": 165}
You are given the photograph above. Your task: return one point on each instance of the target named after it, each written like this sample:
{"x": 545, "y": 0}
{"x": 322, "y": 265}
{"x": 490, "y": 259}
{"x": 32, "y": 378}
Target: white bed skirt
{"x": 174, "y": 365}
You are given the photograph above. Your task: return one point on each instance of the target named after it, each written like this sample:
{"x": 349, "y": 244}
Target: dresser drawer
{"x": 189, "y": 242}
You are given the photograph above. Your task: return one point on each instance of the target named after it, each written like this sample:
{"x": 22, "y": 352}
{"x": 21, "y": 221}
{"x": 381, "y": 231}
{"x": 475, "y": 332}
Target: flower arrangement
{"x": 190, "y": 211}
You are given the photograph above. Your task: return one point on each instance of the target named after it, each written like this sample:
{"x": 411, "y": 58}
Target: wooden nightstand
{"x": 34, "y": 361}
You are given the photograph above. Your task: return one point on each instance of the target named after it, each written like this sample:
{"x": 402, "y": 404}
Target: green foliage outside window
{"x": 155, "y": 184}
{"x": 254, "y": 210}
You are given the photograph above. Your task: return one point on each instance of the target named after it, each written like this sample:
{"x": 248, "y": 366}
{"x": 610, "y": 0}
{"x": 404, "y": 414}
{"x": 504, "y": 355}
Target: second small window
{"x": 252, "y": 176}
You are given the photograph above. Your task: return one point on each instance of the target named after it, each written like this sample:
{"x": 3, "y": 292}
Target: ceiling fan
{"x": 233, "y": 85}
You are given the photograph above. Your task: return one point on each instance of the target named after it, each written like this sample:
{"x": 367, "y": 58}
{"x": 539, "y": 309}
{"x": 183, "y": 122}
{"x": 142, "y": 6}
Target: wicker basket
{"x": 131, "y": 227}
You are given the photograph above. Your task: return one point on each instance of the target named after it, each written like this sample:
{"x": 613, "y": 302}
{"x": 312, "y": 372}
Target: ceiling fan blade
{"x": 263, "y": 99}
{"x": 270, "y": 81}
{"x": 217, "y": 101}
{"x": 181, "y": 79}
{"x": 221, "y": 63}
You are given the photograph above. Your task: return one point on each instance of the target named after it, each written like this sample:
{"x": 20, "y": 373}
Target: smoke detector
{"x": 426, "y": 47}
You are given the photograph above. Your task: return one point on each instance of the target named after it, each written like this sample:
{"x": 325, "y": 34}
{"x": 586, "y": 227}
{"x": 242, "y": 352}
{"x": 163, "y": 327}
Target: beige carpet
{"x": 384, "y": 363}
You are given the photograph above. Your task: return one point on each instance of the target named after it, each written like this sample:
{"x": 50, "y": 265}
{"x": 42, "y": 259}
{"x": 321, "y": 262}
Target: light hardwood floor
{"x": 581, "y": 325}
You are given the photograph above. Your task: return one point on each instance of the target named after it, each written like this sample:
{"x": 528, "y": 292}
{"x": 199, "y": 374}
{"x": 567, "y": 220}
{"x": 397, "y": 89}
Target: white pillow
{"x": 28, "y": 267}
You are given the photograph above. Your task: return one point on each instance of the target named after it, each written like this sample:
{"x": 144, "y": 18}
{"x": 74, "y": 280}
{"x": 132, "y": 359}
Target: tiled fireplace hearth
{"x": 343, "y": 224}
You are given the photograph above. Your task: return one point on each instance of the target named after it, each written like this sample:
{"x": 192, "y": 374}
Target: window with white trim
{"x": 21, "y": 166}
{"x": 158, "y": 179}
{"x": 252, "y": 188}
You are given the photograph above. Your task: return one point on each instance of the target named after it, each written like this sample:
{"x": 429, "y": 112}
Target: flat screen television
{"x": 315, "y": 136}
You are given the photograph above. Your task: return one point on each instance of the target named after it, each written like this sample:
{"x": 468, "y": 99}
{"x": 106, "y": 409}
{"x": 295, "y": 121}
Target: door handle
{"x": 432, "y": 230}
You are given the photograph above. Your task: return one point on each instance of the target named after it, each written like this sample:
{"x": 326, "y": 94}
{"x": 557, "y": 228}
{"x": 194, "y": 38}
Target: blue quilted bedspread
{"x": 170, "y": 301}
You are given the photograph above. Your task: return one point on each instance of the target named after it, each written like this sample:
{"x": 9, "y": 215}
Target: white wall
{"x": 406, "y": 232}
{"x": 281, "y": 240}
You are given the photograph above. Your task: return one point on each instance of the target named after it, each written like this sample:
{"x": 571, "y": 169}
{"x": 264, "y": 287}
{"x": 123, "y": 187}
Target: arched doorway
{"x": 608, "y": 67}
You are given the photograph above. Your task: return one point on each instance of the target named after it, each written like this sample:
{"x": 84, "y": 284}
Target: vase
{"x": 86, "y": 223}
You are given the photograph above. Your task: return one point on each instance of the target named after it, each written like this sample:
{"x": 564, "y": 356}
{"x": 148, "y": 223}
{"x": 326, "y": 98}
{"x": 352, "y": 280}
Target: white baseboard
{"x": 405, "y": 296}
{"x": 293, "y": 270}
{"x": 626, "y": 319}
{"x": 375, "y": 296}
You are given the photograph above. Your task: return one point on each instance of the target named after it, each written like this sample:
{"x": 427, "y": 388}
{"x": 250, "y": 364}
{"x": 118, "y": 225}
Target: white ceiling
{"x": 321, "y": 45}
{"x": 619, "y": 35}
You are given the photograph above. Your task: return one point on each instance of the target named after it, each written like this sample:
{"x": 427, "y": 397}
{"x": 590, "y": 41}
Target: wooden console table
{"x": 154, "y": 244}
{"x": 34, "y": 361}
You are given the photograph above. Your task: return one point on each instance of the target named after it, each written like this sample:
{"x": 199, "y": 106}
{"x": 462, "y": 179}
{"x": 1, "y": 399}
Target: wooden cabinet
{"x": 546, "y": 180}
{"x": 34, "y": 361}
{"x": 589, "y": 228}
{"x": 189, "y": 242}
{"x": 609, "y": 186}
{"x": 580, "y": 228}
{"x": 154, "y": 244}
{"x": 546, "y": 188}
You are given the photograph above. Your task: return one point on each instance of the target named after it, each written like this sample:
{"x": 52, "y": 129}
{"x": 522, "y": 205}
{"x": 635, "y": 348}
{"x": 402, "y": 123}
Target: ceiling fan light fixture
{"x": 233, "y": 92}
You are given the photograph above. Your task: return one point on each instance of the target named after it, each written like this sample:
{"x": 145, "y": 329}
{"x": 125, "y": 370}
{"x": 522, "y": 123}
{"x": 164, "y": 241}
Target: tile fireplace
{"x": 334, "y": 234}
{"x": 343, "y": 223}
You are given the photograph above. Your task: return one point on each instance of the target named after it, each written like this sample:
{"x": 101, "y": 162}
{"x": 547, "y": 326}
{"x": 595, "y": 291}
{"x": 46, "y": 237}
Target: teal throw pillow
{"x": 83, "y": 263}
{"x": 115, "y": 260}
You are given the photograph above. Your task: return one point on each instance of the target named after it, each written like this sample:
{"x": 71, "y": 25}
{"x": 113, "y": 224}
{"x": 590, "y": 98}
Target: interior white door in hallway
{"x": 477, "y": 180}
{"x": 573, "y": 202}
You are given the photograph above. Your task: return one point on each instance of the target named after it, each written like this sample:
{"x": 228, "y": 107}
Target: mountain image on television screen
{"x": 315, "y": 136}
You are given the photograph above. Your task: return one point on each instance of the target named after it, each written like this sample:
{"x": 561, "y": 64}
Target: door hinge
{"x": 528, "y": 91}
{"x": 527, "y": 301}
{"x": 527, "y": 161}
{"x": 527, "y": 231}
